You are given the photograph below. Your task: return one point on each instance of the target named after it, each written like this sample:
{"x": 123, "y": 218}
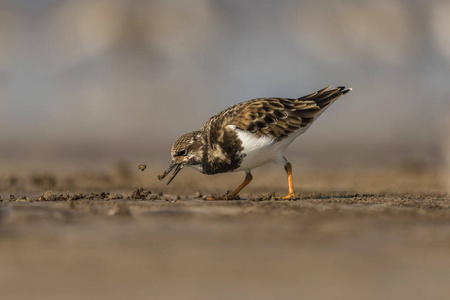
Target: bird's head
{"x": 186, "y": 151}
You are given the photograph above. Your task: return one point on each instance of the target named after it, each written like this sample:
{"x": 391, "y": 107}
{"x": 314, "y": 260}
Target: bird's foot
{"x": 224, "y": 197}
{"x": 291, "y": 196}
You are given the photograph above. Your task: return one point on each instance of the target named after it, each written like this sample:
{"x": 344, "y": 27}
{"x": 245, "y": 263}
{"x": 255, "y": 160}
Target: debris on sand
{"x": 102, "y": 195}
{"x": 256, "y": 198}
{"x": 51, "y": 196}
{"x": 198, "y": 195}
{"x": 226, "y": 196}
{"x": 140, "y": 193}
{"x": 114, "y": 196}
{"x": 142, "y": 167}
{"x": 76, "y": 197}
{"x": 154, "y": 197}
{"x": 48, "y": 196}
{"x": 23, "y": 199}
{"x": 265, "y": 197}
{"x": 171, "y": 200}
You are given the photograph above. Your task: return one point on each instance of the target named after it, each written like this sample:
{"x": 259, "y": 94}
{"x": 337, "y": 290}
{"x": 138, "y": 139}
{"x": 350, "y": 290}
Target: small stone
{"x": 142, "y": 167}
{"x": 49, "y": 196}
{"x": 198, "y": 195}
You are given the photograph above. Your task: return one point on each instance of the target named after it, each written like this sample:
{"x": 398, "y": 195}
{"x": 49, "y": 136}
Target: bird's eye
{"x": 182, "y": 153}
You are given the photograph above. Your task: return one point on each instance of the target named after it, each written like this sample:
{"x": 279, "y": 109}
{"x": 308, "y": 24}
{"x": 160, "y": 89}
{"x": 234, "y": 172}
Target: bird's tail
{"x": 326, "y": 96}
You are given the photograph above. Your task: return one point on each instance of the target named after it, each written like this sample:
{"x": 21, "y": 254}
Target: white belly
{"x": 262, "y": 150}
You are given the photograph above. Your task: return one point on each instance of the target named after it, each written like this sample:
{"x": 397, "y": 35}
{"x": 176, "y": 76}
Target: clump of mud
{"x": 11, "y": 198}
{"x": 22, "y": 198}
{"x": 142, "y": 194}
{"x": 77, "y": 196}
{"x": 227, "y": 196}
{"x": 48, "y": 196}
{"x": 269, "y": 196}
{"x": 51, "y": 196}
{"x": 114, "y": 197}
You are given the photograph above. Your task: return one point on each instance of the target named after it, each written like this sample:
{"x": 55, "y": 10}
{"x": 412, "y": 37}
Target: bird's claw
{"x": 291, "y": 196}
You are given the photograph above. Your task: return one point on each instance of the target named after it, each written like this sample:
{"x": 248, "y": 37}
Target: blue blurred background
{"x": 118, "y": 78}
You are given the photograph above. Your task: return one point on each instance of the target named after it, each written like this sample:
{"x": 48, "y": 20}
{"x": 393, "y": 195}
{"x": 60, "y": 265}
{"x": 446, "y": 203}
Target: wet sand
{"x": 353, "y": 234}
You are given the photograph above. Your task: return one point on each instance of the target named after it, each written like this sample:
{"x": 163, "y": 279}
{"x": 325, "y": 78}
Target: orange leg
{"x": 248, "y": 178}
{"x": 232, "y": 196}
{"x": 288, "y": 169}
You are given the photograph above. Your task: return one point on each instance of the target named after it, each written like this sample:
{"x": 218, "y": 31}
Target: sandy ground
{"x": 353, "y": 234}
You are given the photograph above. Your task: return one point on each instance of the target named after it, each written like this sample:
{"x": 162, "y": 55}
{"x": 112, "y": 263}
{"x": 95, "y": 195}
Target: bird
{"x": 248, "y": 135}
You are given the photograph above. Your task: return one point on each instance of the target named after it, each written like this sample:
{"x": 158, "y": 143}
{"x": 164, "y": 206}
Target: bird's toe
{"x": 291, "y": 196}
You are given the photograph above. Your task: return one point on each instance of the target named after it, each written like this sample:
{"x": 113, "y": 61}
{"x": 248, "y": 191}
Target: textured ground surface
{"x": 379, "y": 234}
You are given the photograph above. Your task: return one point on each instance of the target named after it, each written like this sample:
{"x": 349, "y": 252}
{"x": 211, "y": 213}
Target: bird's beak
{"x": 172, "y": 166}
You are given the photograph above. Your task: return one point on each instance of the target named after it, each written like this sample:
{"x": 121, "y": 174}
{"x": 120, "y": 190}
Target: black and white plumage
{"x": 250, "y": 134}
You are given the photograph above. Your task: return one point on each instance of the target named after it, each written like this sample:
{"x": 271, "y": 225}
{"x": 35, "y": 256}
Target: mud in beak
{"x": 172, "y": 166}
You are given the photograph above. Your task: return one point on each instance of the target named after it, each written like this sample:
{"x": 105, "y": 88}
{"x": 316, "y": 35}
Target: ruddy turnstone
{"x": 250, "y": 134}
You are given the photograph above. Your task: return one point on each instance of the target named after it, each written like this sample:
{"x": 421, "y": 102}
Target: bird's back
{"x": 275, "y": 117}
{"x": 250, "y": 128}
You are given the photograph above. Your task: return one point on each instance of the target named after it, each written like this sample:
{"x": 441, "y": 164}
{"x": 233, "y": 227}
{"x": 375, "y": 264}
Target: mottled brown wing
{"x": 279, "y": 117}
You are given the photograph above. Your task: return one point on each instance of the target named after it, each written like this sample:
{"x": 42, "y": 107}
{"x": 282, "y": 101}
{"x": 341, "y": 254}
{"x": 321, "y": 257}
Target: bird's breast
{"x": 257, "y": 150}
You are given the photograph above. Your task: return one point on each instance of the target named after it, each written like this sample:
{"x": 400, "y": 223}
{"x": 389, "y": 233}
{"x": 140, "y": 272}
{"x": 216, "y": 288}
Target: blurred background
{"x": 122, "y": 79}
{"x": 89, "y": 89}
